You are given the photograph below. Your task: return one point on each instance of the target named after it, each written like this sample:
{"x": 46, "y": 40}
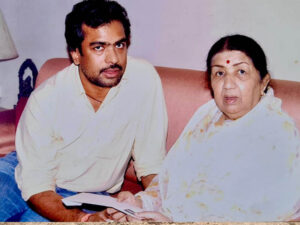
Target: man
{"x": 80, "y": 128}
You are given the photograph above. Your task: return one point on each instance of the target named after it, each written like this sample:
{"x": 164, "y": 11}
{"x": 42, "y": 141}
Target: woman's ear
{"x": 264, "y": 83}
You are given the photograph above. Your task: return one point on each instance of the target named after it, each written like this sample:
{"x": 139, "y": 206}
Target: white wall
{"x": 37, "y": 27}
{"x": 174, "y": 33}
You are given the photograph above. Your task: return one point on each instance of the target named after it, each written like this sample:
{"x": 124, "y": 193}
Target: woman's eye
{"x": 219, "y": 73}
{"x": 242, "y": 72}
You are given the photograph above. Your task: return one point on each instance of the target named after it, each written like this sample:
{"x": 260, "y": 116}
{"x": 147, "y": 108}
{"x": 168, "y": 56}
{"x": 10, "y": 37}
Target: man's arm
{"x": 146, "y": 180}
{"x": 149, "y": 147}
{"x": 36, "y": 156}
{"x": 49, "y": 205}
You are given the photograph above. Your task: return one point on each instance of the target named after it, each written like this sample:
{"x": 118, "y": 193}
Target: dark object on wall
{"x": 27, "y": 81}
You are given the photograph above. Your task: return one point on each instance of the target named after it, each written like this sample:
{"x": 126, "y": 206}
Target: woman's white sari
{"x": 245, "y": 170}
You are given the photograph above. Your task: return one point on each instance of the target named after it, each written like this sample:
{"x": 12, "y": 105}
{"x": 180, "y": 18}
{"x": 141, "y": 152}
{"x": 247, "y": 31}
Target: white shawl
{"x": 245, "y": 170}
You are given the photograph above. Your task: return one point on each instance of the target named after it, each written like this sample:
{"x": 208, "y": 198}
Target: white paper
{"x": 102, "y": 200}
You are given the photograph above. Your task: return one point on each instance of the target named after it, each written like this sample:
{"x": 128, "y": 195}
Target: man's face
{"x": 104, "y": 54}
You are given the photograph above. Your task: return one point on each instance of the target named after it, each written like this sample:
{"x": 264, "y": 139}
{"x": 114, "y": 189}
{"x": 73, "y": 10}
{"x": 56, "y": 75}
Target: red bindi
{"x": 227, "y": 61}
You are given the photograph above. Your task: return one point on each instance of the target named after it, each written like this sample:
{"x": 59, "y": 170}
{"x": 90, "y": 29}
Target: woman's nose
{"x": 229, "y": 82}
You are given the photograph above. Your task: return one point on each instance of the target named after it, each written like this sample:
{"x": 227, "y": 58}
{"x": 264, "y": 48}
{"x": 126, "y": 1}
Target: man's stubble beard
{"x": 105, "y": 82}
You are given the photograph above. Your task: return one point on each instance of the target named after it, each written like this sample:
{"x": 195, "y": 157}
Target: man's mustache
{"x": 114, "y": 66}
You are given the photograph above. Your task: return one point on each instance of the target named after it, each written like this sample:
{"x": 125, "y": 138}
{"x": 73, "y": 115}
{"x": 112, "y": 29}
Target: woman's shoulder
{"x": 277, "y": 118}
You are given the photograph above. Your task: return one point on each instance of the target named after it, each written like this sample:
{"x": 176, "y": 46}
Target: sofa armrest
{"x": 7, "y": 131}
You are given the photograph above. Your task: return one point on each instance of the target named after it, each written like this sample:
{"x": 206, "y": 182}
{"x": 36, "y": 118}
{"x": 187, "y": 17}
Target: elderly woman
{"x": 238, "y": 157}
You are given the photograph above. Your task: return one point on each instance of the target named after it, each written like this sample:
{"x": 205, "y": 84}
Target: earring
{"x": 263, "y": 92}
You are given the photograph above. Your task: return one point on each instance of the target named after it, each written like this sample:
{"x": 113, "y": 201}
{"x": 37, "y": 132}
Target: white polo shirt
{"x": 61, "y": 141}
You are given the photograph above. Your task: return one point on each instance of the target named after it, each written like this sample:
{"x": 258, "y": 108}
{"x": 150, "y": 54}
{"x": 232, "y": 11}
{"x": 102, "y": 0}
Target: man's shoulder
{"x": 57, "y": 80}
{"x": 141, "y": 77}
{"x": 138, "y": 65}
{"x": 141, "y": 72}
{"x": 133, "y": 61}
{"x": 51, "y": 94}
{"x": 54, "y": 87}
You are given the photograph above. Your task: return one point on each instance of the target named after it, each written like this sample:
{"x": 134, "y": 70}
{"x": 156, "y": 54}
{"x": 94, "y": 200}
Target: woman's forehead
{"x": 230, "y": 57}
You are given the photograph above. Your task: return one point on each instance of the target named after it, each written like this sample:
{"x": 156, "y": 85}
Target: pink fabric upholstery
{"x": 7, "y": 131}
{"x": 185, "y": 90}
{"x": 51, "y": 67}
{"x": 289, "y": 93}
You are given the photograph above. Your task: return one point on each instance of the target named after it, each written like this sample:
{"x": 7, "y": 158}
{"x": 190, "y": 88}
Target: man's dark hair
{"x": 240, "y": 43}
{"x": 93, "y": 13}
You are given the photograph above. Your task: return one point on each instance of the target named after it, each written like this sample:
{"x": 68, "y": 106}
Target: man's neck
{"x": 94, "y": 93}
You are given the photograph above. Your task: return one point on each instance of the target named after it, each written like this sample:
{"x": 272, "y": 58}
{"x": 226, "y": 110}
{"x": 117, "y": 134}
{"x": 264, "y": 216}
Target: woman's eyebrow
{"x": 217, "y": 66}
{"x": 236, "y": 64}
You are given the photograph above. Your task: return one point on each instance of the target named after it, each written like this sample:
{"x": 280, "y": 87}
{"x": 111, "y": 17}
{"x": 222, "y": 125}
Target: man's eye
{"x": 120, "y": 45}
{"x": 98, "y": 48}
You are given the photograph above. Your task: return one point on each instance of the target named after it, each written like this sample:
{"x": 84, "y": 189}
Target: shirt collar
{"x": 78, "y": 85}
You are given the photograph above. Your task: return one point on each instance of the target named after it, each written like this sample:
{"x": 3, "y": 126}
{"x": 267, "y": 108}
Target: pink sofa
{"x": 185, "y": 90}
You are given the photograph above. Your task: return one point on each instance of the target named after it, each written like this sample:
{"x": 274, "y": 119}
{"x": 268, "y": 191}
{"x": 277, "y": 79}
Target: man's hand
{"x": 98, "y": 217}
{"x": 49, "y": 205}
{"x": 116, "y": 215}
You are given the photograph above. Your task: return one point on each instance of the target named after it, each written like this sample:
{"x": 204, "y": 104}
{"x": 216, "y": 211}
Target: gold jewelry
{"x": 100, "y": 101}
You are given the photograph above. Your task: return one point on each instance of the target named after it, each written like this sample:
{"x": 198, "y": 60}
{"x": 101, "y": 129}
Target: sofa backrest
{"x": 185, "y": 90}
{"x": 289, "y": 93}
{"x": 51, "y": 67}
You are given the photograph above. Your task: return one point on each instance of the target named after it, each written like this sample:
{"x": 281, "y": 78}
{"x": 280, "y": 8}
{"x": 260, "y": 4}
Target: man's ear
{"x": 264, "y": 83}
{"x": 75, "y": 56}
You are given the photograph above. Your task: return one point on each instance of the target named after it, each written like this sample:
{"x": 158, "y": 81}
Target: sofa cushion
{"x": 7, "y": 131}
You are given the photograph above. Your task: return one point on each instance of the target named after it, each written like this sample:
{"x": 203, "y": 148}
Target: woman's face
{"x": 236, "y": 83}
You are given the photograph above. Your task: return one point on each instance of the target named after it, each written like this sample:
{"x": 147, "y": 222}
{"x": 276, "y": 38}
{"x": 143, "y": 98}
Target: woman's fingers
{"x": 132, "y": 219}
{"x": 128, "y": 197}
{"x": 116, "y": 215}
{"x": 111, "y": 211}
{"x": 152, "y": 216}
